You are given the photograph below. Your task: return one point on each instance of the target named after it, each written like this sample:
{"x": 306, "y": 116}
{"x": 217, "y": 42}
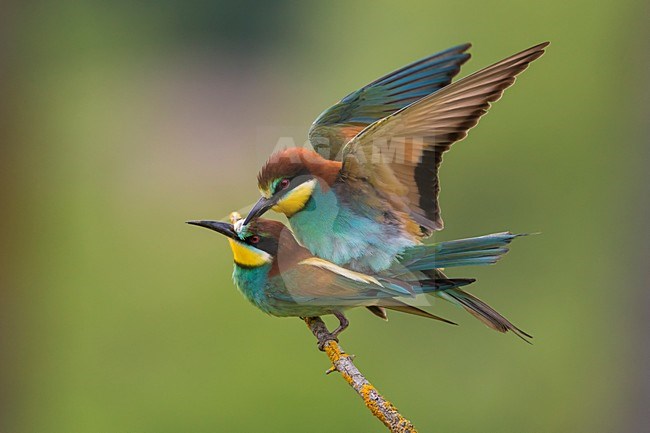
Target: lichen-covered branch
{"x": 342, "y": 362}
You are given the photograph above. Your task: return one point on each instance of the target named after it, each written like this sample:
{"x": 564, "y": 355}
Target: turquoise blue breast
{"x": 348, "y": 232}
{"x": 251, "y": 282}
{"x": 272, "y": 296}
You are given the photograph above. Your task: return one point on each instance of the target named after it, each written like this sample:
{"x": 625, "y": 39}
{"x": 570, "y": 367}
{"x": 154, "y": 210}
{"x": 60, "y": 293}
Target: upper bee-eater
{"x": 365, "y": 207}
{"x": 284, "y": 279}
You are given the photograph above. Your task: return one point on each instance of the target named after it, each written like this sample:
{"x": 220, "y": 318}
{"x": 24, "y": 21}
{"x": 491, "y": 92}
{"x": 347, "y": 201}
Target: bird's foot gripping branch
{"x": 342, "y": 362}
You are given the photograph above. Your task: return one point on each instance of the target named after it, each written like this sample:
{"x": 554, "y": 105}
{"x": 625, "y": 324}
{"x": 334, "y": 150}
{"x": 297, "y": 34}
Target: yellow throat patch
{"x": 248, "y": 256}
{"x": 295, "y": 199}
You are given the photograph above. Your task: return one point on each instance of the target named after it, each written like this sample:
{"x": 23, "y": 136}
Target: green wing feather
{"x": 345, "y": 119}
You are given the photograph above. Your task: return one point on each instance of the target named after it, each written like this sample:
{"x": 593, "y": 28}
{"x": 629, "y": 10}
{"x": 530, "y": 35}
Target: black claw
{"x": 324, "y": 338}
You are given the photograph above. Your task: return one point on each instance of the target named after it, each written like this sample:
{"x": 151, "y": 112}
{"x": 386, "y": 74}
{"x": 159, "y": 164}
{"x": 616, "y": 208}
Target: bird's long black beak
{"x": 218, "y": 226}
{"x": 262, "y": 205}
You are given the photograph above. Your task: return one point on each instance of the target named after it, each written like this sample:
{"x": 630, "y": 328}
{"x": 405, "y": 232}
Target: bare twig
{"x": 342, "y": 362}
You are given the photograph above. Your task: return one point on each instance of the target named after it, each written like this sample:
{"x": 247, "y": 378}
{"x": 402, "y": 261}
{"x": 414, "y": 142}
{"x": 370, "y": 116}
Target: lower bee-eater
{"x": 284, "y": 279}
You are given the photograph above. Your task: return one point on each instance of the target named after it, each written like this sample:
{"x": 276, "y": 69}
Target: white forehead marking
{"x": 238, "y": 226}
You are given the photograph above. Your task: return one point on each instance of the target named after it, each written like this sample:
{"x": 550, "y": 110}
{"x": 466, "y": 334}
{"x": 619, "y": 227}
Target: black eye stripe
{"x": 266, "y": 243}
{"x": 292, "y": 182}
{"x": 282, "y": 184}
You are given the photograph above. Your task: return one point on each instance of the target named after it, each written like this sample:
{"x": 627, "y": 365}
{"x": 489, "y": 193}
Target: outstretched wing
{"x": 342, "y": 121}
{"x": 400, "y": 154}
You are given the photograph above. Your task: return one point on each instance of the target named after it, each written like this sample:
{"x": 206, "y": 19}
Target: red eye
{"x": 284, "y": 183}
{"x": 254, "y": 239}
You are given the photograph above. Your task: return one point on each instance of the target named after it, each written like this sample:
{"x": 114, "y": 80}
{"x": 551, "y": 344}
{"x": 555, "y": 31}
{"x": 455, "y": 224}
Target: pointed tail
{"x": 482, "y": 312}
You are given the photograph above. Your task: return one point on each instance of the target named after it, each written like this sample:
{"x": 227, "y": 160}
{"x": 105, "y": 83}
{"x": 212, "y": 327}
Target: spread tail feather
{"x": 481, "y": 250}
{"x": 483, "y": 312}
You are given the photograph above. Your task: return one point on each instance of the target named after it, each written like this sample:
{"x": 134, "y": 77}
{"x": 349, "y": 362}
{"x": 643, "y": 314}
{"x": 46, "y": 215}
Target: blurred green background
{"x": 121, "y": 120}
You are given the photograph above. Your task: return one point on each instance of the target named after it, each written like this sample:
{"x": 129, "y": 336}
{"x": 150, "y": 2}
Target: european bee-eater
{"x": 380, "y": 197}
{"x": 284, "y": 279}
